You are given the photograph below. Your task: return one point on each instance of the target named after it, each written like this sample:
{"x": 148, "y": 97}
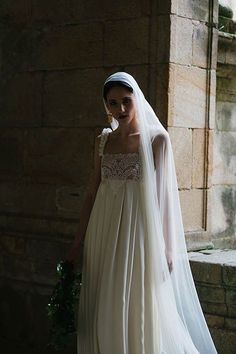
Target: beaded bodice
{"x": 119, "y": 166}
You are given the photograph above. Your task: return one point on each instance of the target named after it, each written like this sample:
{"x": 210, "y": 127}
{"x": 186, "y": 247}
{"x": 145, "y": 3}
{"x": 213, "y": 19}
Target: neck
{"x": 129, "y": 129}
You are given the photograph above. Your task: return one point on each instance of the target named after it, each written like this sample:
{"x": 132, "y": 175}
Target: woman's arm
{"x": 163, "y": 193}
{"x": 92, "y": 187}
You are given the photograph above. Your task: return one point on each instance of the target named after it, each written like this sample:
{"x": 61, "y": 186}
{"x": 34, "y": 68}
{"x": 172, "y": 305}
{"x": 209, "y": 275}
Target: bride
{"x": 137, "y": 295}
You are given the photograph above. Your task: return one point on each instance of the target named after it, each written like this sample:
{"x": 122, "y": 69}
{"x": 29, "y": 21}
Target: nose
{"x": 122, "y": 108}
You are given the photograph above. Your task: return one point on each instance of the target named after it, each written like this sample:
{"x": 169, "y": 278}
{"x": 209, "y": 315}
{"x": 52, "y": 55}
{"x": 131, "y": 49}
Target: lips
{"x": 122, "y": 116}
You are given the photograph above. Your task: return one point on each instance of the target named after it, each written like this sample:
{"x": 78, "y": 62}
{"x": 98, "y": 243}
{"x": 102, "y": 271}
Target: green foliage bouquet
{"x": 63, "y": 305}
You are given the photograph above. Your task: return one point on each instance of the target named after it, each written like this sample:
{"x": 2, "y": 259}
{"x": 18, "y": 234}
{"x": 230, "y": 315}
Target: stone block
{"x": 21, "y": 101}
{"x": 181, "y": 40}
{"x": 69, "y": 46}
{"x": 59, "y": 156}
{"x": 192, "y": 207}
{"x": 195, "y": 9}
{"x": 225, "y": 116}
{"x": 181, "y": 139}
{"x": 225, "y": 340}
{"x": 34, "y": 199}
{"x": 16, "y": 267}
{"x": 214, "y": 308}
{"x": 226, "y": 83}
{"x": 47, "y": 228}
{"x": 200, "y": 43}
{"x": 73, "y": 11}
{"x": 206, "y": 272}
{"x": 11, "y": 154}
{"x": 163, "y": 7}
{"x": 198, "y": 158}
{"x": 231, "y": 297}
{"x": 69, "y": 200}
{"x": 16, "y": 50}
{"x": 224, "y": 158}
{"x": 212, "y": 100}
{"x": 159, "y": 92}
{"x": 231, "y": 53}
{"x": 229, "y": 275}
{"x": 187, "y": 96}
{"x": 223, "y": 202}
{"x": 12, "y": 245}
{"x": 211, "y": 294}
{"x": 74, "y": 98}
{"x": 17, "y": 12}
{"x": 230, "y": 323}
{"x": 126, "y": 47}
{"x": 160, "y": 48}
{"x": 215, "y": 321}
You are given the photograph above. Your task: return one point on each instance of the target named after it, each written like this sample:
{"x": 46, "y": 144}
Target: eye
{"x": 126, "y": 100}
{"x": 112, "y": 102}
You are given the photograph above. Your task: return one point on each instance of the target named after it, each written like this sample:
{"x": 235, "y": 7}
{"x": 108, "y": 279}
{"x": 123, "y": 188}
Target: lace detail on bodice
{"x": 121, "y": 166}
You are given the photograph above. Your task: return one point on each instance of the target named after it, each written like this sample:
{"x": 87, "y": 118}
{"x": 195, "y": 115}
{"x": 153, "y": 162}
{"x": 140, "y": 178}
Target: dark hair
{"x": 110, "y": 84}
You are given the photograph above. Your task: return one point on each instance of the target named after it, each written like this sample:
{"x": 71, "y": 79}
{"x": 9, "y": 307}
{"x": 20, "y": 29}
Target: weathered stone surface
{"x": 214, "y": 308}
{"x": 21, "y": 101}
{"x": 47, "y": 228}
{"x": 72, "y": 11}
{"x": 206, "y": 272}
{"x": 74, "y": 98}
{"x": 215, "y": 321}
{"x": 69, "y": 200}
{"x": 71, "y": 46}
{"x": 224, "y": 340}
{"x": 181, "y": 139}
{"x": 13, "y": 11}
{"x": 231, "y": 297}
{"x": 224, "y": 158}
{"x": 212, "y": 294}
{"x": 35, "y": 199}
{"x": 223, "y": 202}
{"x": 181, "y": 40}
{"x": 200, "y": 43}
{"x": 230, "y": 323}
{"x": 187, "y": 88}
{"x": 159, "y": 93}
{"x": 12, "y": 245}
{"x": 16, "y": 45}
{"x": 57, "y": 155}
{"x": 161, "y": 44}
{"x": 195, "y": 9}
{"x": 132, "y": 48}
{"x": 226, "y": 116}
{"x": 198, "y": 157}
{"x": 229, "y": 275}
{"x": 11, "y": 154}
{"x": 191, "y": 205}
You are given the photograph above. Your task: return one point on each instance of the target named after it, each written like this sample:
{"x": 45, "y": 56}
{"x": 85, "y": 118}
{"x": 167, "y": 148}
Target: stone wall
{"x": 191, "y": 111}
{"x": 224, "y": 169}
{"x": 214, "y": 273}
{"x": 54, "y": 58}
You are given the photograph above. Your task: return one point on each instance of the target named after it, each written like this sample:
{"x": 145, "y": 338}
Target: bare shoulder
{"x": 158, "y": 140}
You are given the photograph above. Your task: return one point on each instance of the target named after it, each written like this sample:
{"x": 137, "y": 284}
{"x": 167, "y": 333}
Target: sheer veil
{"x": 177, "y": 316}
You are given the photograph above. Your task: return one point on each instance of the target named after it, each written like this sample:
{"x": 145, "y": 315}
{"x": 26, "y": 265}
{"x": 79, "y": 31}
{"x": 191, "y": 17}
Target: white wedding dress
{"x": 115, "y": 313}
{"x": 119, "y": 310}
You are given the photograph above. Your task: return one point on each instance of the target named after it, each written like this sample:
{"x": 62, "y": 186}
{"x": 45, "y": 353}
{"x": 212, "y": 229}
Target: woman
{"x": 138, "y": 295}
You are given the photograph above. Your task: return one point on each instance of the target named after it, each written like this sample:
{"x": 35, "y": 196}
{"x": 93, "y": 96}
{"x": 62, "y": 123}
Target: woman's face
{"x": 121, "y": 103}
